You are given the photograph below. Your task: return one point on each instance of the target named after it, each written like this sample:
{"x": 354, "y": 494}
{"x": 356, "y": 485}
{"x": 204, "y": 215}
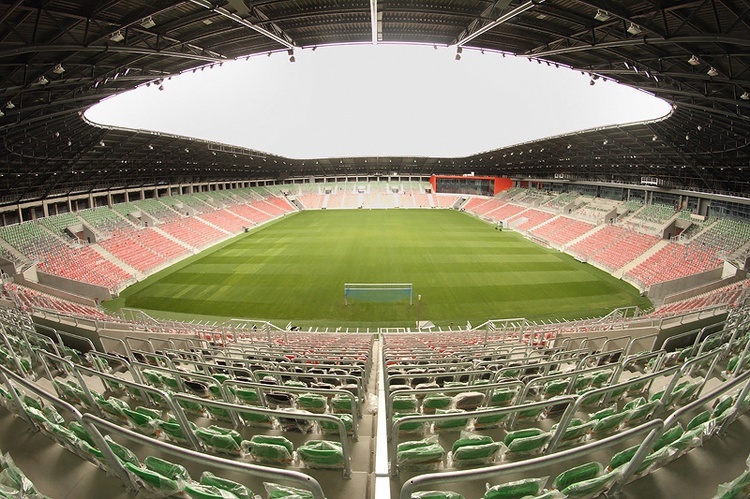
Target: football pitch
{"x": 294, "y": 270}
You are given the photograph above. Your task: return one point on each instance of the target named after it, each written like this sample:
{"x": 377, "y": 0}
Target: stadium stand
{"x": 457, "y": 406}
{"x": 479, "y": 206}
{"x": 193, "y": 232}
{"x": 562, "y": 200}
{"x": 104, "y": 220}
{"x": 562, "y": 230}
{"x": 504, "y": 212}
{"x": 674, "y": 261}
{"x": 726, "y": 235}
{"x": 529, "y": 219}
{"x": 613, "y": 246}
{"x": 731, "y": 294}
{"x": 655, "y": 213}
{"x": 445, "y": 200}
{"x": 29, "y": 299}
{"x": 226, "y": 220}
{"x": 58, "y": 223}
{"x": 83, "y": 264}
{"x": 143, "y": 249}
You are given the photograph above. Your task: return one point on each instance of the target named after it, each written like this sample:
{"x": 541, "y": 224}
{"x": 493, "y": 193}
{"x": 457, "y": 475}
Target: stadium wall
{"x": 83, "y": 300}
{"x": 77, "y": 330}
{"x": 713, "y": 323}
{"x": 705, "y": 288}
{"x": 75, "y": 287}
{"x": 659, "y": 291}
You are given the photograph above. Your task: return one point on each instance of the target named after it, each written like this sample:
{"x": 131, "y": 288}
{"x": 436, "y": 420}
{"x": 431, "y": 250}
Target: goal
{"x": 378, "y": 292}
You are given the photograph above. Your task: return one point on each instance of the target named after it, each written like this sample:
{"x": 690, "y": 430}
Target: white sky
{"x": 385, "y": 100}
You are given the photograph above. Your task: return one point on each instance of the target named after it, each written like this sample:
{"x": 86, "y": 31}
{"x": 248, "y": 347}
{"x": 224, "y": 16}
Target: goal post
{"x": 378, "y": 292}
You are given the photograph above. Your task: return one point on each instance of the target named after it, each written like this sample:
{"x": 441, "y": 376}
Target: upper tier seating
{"x": 655, "y": 213}
{"x": 562, "y": 200}
{"x": 58, "y": 223}
{"x": 726, "y": 235}
{"x": 30, "y": 239}
{"x": 104, "y": 220}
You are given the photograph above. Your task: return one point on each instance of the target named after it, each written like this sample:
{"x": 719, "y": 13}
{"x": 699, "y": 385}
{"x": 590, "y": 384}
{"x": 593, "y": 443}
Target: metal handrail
{"x": 432, "y": 480}
{"x": 92, "y": 424}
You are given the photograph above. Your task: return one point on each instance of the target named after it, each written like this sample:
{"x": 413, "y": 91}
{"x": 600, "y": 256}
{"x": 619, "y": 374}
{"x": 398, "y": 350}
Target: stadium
{"x": 564, "y": 317}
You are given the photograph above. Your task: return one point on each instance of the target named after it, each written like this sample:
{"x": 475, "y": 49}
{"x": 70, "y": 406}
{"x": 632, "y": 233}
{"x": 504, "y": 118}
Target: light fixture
{"x": 42, "y": 80}
{"x": 148, "y": 22}
{"x": 459, "y": 51}
{"x": 101, "y": 143}
{"x": 117, "y": 36}
{"x": 654, "y": 138}
{"x": 592, "y": 82}
{"x": 161, "y": 87}
{"x": 602, "y": 15}
{"x": 150, "y": 147}
{"x": 10, "y": 105}
{"x": 58, "y": 69}
{"x": 712, "y": 72}
{"x": 2, "y": 114}
{"x": 634, "y": 29}
{"x": 291, "y": 55}
{"x": 744, "y": 96}
{"x": 694, "y": 61}
{"x": 69, "y": 143}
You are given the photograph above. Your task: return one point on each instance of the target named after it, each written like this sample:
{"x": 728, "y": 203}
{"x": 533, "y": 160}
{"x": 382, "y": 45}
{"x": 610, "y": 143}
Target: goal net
{"x": 378, "y": 292}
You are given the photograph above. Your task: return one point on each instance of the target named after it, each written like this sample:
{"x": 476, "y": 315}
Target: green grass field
{"x": 295, "y": 269}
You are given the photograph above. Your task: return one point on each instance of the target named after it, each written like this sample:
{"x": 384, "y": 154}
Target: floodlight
{"x": 148, "y": 22}
{"x": 712, "y": 72}
{"x": 694, "y": 61}
{"x": 634, "y": 29}
{"x": 42, "y": 80}
{"x": 117, "y": 36}
{"x": 58, "y": 69}
{"x": 602, "y": 15}
{"x": 745, "y": 96}
{"x": 9, "y": 105}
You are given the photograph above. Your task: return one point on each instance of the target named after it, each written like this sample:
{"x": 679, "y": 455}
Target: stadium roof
{"x": 57, "y": 58}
